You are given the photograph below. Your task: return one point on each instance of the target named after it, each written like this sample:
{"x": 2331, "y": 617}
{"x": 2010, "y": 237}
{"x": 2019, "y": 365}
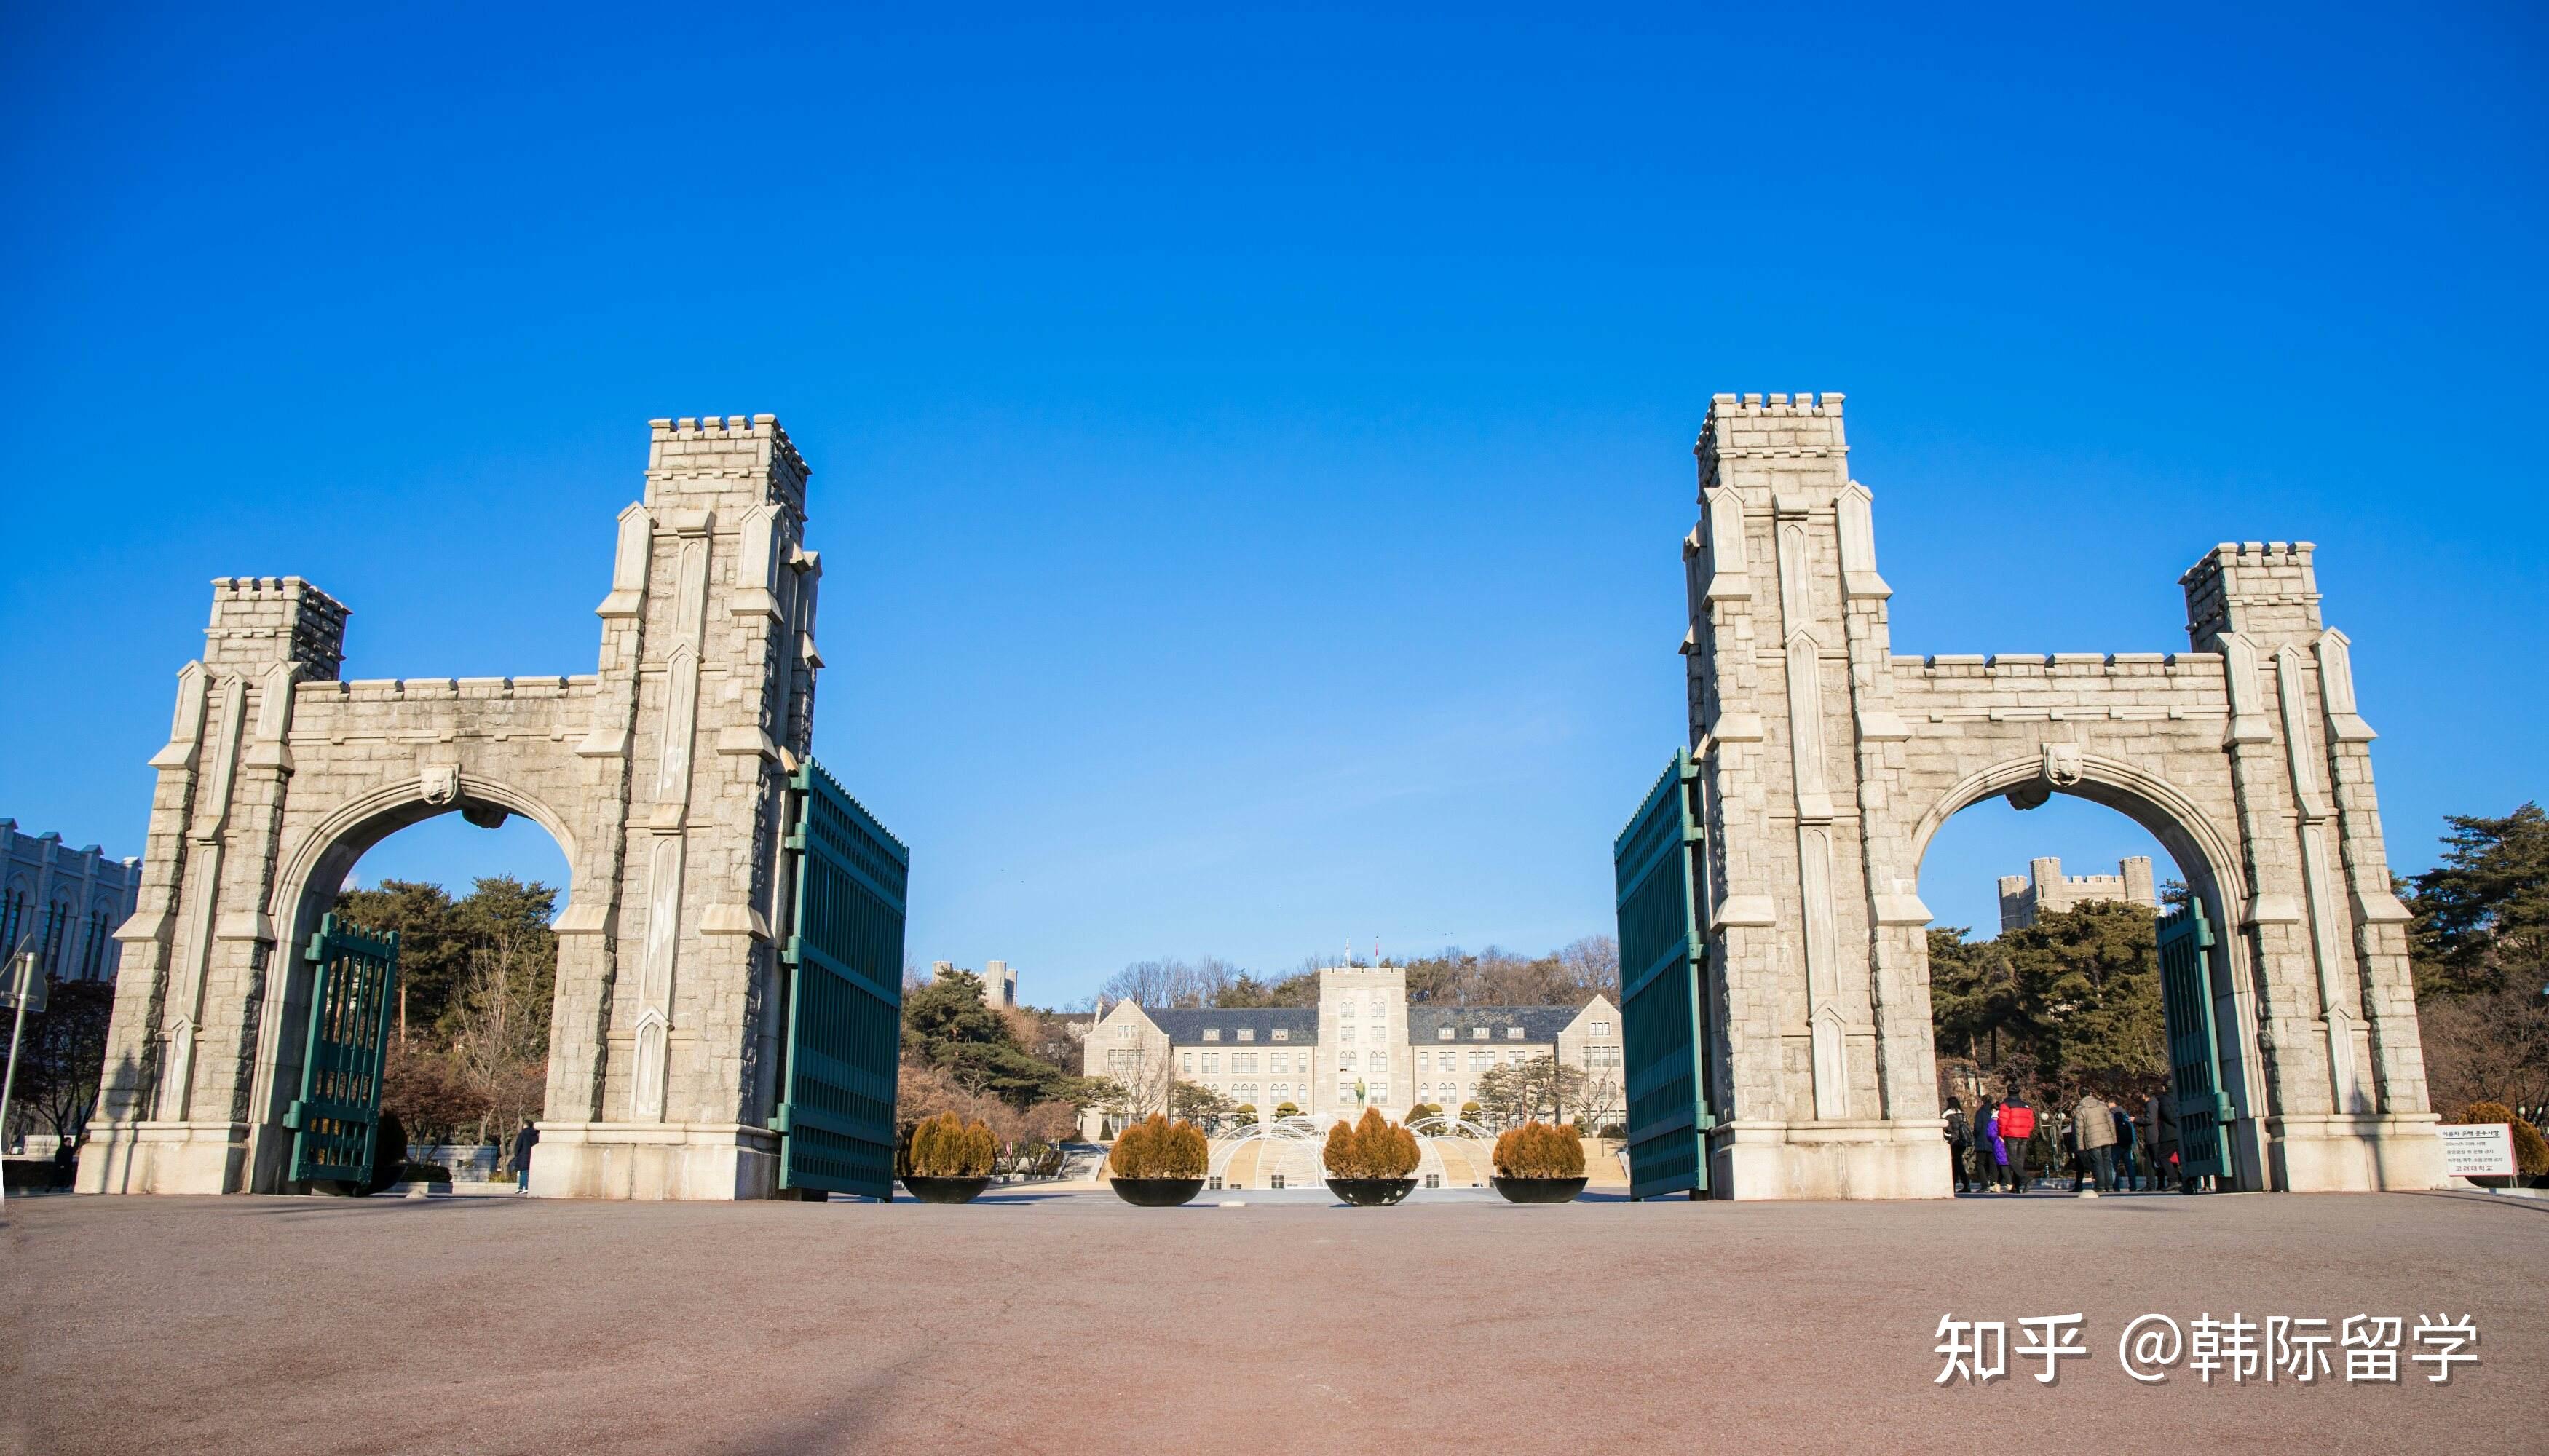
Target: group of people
{"x": 2105, "y": 1146}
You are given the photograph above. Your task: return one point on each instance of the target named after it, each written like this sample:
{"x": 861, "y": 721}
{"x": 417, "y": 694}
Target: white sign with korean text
{"x": 2477, "y": 1149}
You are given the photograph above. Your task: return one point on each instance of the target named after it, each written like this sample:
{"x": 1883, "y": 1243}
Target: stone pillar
{"x": 1816, "y": 953}
{"x": 181, "y": 1058}
{"x": 705, "y": 705}
{"x": 2343, "y": 1082}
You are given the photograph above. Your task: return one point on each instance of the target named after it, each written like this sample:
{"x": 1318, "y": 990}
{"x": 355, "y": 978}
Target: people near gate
{"x": 2016, "y": 1129}
{"x": 524, "y": 1141}
{"x": 2128, "y": 1162}
{"x": 2159, "y": 1122}
{"x": 2093, "y": 1125}
{"x": 1991, "y": 1150}
{"x": 1961, "y": 1143}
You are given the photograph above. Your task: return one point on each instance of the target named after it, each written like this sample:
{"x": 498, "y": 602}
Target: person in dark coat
{"x": 1961, "y": 1141}
{"x": 2127, "y": 1146}
{"x": 524, "y": 1141}
{"x": 67, "y": 1162}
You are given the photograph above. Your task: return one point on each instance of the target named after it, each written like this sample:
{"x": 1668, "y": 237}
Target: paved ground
{"x": 1068, "y": 1323}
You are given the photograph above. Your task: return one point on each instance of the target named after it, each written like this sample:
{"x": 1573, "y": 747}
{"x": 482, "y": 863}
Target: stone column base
{"x": 2366, "y": 1154}
{"x": 1851, "y": 1159}
{"x": 714, "y": 1161}
{"x": 163, "y": 1157}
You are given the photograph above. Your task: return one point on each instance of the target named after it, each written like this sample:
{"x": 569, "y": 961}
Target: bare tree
{"x": 501, "y": 1045}
{"x": 2487, "y": 1047}
{"x": 1171, "y": 983}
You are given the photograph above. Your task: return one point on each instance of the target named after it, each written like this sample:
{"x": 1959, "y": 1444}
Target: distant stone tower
{"x": 2044, "y": 888}
{"x": 660, "y": 775}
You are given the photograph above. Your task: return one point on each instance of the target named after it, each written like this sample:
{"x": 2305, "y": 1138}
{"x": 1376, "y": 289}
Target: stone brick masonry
{"x": 1829, "y": 760}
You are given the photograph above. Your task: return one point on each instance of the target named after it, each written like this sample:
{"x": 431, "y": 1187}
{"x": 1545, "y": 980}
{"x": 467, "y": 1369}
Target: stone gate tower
{"x": 660, "y": 775}
{"x": 1828, "y": 760}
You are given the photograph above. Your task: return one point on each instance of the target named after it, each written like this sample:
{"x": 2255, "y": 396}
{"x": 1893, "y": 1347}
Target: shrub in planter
{"x": 1286, "y": 1110}
{"x": 1157, "y": 1163}
{"x": 1539, "y": 1163}
{"x": 2530, "y": 1149}
{"x": 1424, "y": 1110}
{"x": 1469, "y": 1111}
{"x": 1373, "y": 1162}
{"x": 946, "y": 1159}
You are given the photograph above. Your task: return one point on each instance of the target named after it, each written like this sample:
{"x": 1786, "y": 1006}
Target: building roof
{"x": 1425, "y": 1022}
{"x": 1183, "y": 1027}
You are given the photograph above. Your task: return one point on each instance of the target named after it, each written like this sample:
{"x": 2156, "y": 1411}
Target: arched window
{"x": 93, "y": 955}
{"x": 57, "y": 927}
{"x": 13, "y": 918}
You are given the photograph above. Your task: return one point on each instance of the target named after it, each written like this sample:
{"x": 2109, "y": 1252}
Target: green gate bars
{"x": 843, "y": 952}
{"x": 2186, "y": 955}
{"x": 339, "y": 1112}
{"x": 1664, "y": 1015}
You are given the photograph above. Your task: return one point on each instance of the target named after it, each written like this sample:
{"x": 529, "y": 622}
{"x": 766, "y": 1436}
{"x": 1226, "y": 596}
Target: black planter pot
{"x": 1156, "y": 1193}
{"x": 945, "y": 1190}
{"x": 1371, "y": 1193}
{"x": 1540, "y": 1190}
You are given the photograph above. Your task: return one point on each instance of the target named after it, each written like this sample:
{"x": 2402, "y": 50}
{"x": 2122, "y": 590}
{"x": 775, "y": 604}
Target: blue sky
{"x": 1250, "y": 452}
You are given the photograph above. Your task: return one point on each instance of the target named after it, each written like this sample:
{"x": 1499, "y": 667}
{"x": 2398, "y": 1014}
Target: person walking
{"x": 524, "y": 1141}
{"x": 2160, "y": 1113}
{"x": 1961, "y": 1143}
{"x": 2127, "y": 1148}
{"x": 1986, "y": 1134}
{"x": 2093, "y": 1125}
{"x": 2016, "y": 1129}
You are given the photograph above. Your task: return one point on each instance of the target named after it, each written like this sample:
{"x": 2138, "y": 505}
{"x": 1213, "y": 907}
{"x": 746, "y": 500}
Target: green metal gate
{"x": 843, "y": 952}
{"x": 1662, "y": 904}
{"x": 339, "y": 1112}
{"x": 2185, "y": 956}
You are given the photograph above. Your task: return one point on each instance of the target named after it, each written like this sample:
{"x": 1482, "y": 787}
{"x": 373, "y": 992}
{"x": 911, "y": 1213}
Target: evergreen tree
{"x": 2482, "y": 914}
{"x": 945, "y": 1024}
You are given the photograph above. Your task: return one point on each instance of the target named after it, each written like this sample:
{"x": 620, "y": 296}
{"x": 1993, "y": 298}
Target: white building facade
{"x": 1365, "y": 1044}
{"x": 62, "y": 903}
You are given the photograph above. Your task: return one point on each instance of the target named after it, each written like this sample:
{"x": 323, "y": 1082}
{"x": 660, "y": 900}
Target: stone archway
{"x": 662, "y": 776}
{"x": 1826, "y": 762}
{"x": 304, "y": 887}
{"x": 2205, "y": 853}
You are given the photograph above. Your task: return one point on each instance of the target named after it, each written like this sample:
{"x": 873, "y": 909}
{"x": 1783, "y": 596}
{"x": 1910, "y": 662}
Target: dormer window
{"x": 1281, "y": 1035}
{"x": 1513, "y": 1034}
{"x": 1248, "y": 1033}
{"x": 1477, "y": 1033}
{"x": 1442, "y": 1034}
{"x": 1212, "y": 1034}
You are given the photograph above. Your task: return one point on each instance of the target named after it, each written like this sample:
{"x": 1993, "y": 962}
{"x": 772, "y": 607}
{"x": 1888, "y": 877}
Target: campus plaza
{"x": 1292, "y": 1071}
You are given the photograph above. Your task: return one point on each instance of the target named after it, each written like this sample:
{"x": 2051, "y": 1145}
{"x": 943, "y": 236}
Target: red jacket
{"x": 2017, "y": 1122}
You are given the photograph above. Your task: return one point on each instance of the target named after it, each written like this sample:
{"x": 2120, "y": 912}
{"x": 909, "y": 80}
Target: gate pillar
{"x": 662, "y": 1083}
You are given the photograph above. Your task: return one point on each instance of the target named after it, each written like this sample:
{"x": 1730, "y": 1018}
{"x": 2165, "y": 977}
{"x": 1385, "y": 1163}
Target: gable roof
{"x": 1301, "y": 1023}
{"x": 1539, "y": 1023}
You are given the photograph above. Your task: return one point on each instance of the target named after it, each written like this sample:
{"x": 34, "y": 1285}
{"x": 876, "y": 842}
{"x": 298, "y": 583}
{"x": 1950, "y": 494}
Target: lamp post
{"x": 21, "y": 990}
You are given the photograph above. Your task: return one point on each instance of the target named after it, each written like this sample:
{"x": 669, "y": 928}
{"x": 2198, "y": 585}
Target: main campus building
{"x": 1365, "y": 1044}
